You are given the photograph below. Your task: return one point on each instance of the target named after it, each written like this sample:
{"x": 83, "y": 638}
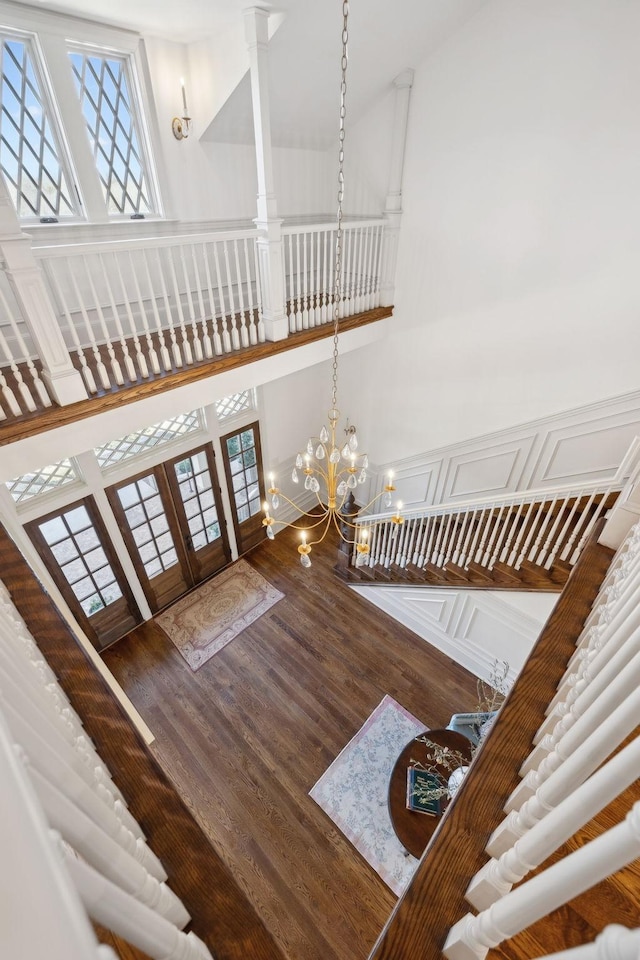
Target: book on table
{"x": 421, "y": 785}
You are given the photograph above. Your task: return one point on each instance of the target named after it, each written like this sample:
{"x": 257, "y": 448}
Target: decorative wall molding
{"x": 580, "y": 445}
{"x": 473, "y": 627}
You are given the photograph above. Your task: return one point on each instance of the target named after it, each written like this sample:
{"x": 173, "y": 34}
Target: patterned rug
{"x": 203, "y": 622}
{"x": 353, "y": 791}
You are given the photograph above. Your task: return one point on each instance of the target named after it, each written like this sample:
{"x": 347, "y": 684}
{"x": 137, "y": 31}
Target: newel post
{"x": 393, "y": 205}
{"x": 63, "y": 381}
{"x": 269, "y": 242}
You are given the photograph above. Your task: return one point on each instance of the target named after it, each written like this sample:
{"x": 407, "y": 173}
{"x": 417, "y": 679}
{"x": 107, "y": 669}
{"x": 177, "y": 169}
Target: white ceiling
{"x": 385, "y": 38}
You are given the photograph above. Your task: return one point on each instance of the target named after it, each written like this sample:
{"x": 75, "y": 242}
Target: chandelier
{"x": 330, "y": 468}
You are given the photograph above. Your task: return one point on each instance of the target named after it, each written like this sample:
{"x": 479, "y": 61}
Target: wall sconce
{"x": 182, "y": 125}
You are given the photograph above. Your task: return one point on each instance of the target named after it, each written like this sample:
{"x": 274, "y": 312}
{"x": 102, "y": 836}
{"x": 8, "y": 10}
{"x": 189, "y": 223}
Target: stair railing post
{"x": 63, "y": 381}
{"x": 269, "y": 243}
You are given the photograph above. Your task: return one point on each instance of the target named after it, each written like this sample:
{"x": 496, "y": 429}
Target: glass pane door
{"x": 196, "y": 495}
{"x": 243, "y": 468}
{"x": 79, "y": 555}
{"x": 144, "y": 511}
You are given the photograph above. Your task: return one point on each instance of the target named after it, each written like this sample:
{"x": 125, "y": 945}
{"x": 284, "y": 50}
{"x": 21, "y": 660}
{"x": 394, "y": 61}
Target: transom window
{"x": 30, "y": 152}
{"x": 235, "y": 404}
{"x": 142, "y": 440}
{"x": 104, "y": 89}
{"x": 42, "y": 481}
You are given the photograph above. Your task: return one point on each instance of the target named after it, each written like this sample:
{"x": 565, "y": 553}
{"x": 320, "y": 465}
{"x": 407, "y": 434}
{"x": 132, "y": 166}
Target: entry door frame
{"x": 54, "y": 570}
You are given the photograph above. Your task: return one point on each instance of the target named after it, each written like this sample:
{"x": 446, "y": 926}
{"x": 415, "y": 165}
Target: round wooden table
{"x": 414, "y": 830}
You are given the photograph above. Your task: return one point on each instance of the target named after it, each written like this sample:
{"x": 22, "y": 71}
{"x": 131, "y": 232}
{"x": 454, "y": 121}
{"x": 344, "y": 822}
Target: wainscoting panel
{"x": 475, "y": 628}
{"x": 573, "y": 447}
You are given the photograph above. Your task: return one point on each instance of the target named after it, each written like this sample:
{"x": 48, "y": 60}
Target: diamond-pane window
{"x": 42, "y": 481}
{"x": 30, "y": 153}
{"x": 237, "y": 403}
{"x": 135, "y": 443}
{"x": 104, "y": 88}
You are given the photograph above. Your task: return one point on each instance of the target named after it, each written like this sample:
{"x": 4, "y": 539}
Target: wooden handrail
{"x": 435, "y": 900}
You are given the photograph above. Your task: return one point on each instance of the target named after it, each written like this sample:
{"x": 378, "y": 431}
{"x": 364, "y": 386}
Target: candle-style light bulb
{"x": 364, "y": 535}
{"x": 399, "y": 505}
{"x": 390, "y": 475}
{"x": 184, "y": 98}
{"x": 265, "y": 507}
{"x": 303, "y": 537}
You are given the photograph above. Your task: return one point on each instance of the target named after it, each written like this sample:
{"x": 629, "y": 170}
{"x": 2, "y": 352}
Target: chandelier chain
{"x": 337, "y": 290}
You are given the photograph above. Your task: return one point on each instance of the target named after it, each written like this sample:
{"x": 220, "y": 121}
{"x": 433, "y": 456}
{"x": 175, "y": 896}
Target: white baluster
{"x": 195, "y": 336}
{"x": 261, "y": 327}
{"x": 316, "y": 313}
{"x": 113, "y": 362}
{"x": 472, "y": 937}
{"x": 103, "y": 853}
{"x": 100, "y": 367}
{"x": 614, "y": 943}
{"x": 497, "y": 877}
{"x": 128, "y": 362}
{"x": 251, "y": 311}
{"x": 217, "y": 340}
{"x": 612, "y": 656}
{"x": 242, "y": 319}
{"x": 141, "y": 360}
{"x": 87, "y": 374}
{"x": 479, "y": 534}
{"x": 72, "y": 784}
{"x": 165, "y": 356}
{"x": 552, "y": 533}
{"x": 7, "y": 392}
{"x": 235, "y": 337}
{"x": 567, "y": 777}
{"x": 305, "y": 283}
{"x": 377, "y": 266}
{"x": 224, "y": 321}
{"x": 38, "y": 385}
{"x": 187, "y": 353}
{"x": 127, "y": 917}
{"x": 207, "y": 345}
{"x": 596, "y": 694}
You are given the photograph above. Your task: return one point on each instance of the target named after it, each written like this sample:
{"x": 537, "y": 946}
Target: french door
{"x": 172, "y": 522}
{"x": 76, "y": 548}
{"x": 242, "y": 458}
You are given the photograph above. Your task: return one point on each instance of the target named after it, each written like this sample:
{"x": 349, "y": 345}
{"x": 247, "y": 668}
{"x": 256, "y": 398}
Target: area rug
{"x": 353, "y": 791}
{"x": 204, "y": 622}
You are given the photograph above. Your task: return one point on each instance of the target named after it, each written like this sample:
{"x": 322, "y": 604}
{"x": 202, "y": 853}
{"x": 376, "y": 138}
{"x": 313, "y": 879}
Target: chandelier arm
{"x": 308, "y": 526}
{"x": 371, "y": 502}
{"x": 314, "y": 543}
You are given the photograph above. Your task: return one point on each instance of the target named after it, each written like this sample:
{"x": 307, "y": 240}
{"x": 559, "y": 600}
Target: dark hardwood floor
{"x": 246, "y": 737}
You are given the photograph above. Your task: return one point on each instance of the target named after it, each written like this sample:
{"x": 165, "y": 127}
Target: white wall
{"x": 516, "y": 290}
{"x": 475, "y": 628}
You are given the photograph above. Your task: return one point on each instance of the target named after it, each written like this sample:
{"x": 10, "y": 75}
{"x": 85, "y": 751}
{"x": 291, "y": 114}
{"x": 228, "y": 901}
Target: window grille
{"x": 237, "y": 403}
{"x": 30, "y": 152}
{"x": 115, "y": 451}
{"x": 104, "y": 87}
{"x": 42, "y": 481}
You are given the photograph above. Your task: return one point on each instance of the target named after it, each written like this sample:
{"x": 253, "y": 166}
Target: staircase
{"x": 526, "y": 541}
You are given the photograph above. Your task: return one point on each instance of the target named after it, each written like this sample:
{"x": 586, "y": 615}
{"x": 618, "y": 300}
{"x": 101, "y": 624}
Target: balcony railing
{"x": 78, "y": 320}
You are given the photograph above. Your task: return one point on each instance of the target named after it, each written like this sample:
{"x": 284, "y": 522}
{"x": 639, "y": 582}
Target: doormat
{"x": 204, "y": 622}
{"x": 354, "y": 791}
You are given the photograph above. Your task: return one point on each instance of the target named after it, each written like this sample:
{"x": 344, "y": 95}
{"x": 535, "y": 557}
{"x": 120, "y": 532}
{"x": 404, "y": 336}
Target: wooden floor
{"x": 247, "y": 736}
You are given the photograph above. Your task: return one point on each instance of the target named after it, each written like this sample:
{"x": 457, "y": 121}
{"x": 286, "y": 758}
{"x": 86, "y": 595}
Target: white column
{"x": 62, "y": 379}
{"x": 269, "y": 242}
{"x": 393, "y": 206}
